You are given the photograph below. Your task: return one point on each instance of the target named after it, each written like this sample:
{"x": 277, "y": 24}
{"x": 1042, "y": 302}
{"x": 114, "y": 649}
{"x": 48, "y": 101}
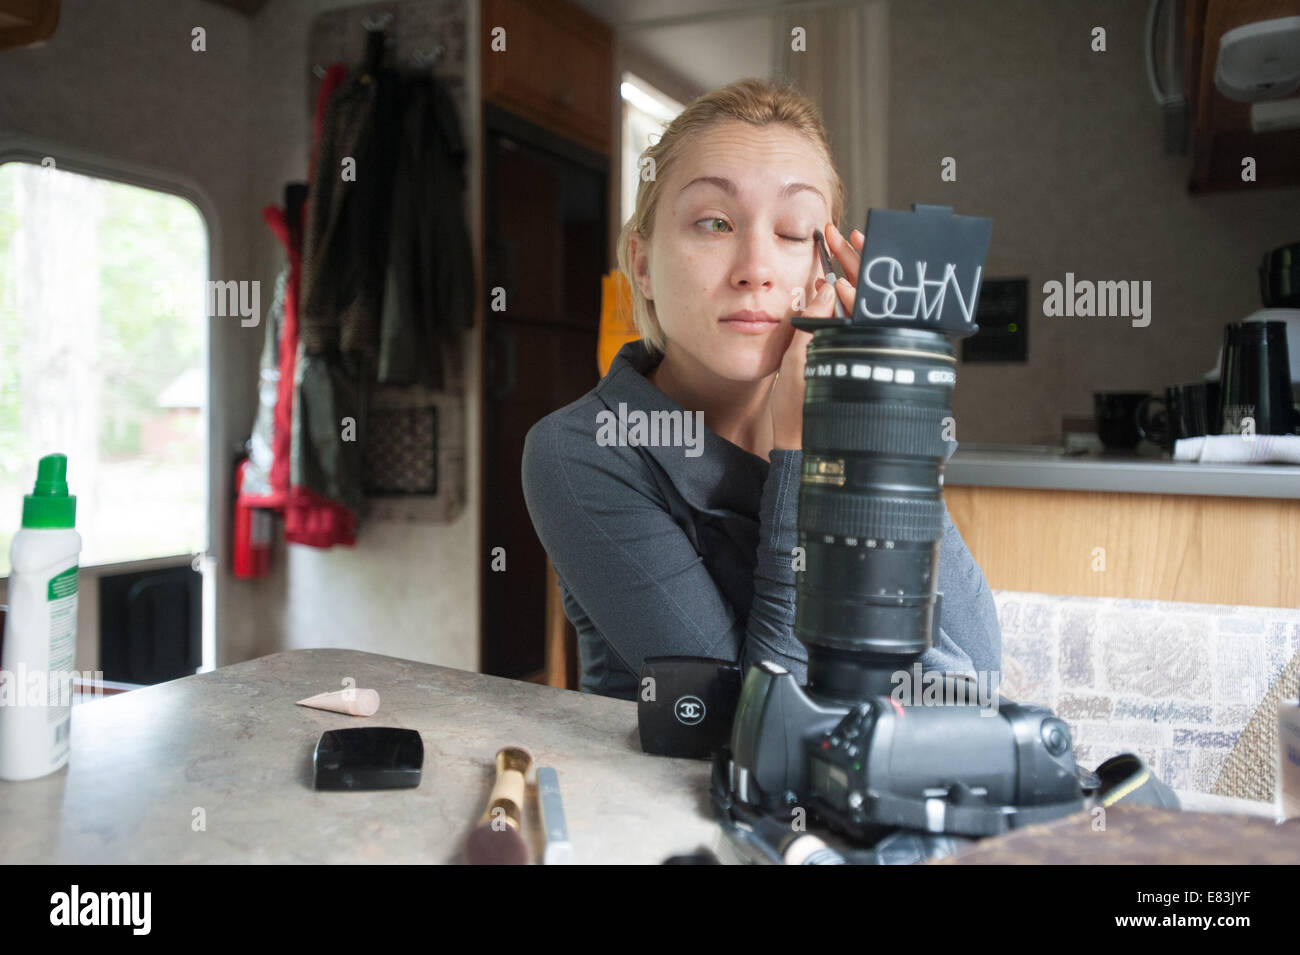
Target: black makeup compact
{"x": 368, "y": 757}
{"x": 686, "y": 705}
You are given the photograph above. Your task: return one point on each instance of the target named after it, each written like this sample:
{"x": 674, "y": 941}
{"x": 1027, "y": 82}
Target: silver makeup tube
{"x": 558, "y": 849}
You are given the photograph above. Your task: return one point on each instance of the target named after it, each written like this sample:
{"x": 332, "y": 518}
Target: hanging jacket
{"x": 344, "y": 252}
{"x": 255, "y": 491}
{"x": 429, "y": 291}
{"x": 309, "y": 518}
{"x": 379, "y": 286}
{"x": 345, "y": 245}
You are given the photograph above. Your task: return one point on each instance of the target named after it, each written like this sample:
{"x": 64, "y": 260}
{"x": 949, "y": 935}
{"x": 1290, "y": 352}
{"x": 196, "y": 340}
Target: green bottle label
{"x": 63, "y": 585}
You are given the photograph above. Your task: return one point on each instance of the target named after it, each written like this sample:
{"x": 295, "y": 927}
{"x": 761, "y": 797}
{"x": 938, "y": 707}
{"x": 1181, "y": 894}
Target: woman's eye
{"x": 711, "y": 219}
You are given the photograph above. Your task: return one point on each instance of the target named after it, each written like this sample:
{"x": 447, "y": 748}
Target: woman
{"x": 686, "y": 546}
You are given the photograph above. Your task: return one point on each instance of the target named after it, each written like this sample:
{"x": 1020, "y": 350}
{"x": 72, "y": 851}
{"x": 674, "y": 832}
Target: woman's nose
{"x": 753, "y": 267}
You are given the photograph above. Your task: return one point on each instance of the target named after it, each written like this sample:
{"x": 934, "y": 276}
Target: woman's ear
{"x": 639, "y": 249}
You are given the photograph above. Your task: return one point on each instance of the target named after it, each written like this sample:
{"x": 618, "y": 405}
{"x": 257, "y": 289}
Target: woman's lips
{"x": 749, "y": 321}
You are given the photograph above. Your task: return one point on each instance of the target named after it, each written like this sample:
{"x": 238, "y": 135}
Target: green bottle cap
{"x": 50, "y": 504}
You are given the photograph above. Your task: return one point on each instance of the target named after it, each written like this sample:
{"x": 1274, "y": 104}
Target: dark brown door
{"x": 546, "y": 224}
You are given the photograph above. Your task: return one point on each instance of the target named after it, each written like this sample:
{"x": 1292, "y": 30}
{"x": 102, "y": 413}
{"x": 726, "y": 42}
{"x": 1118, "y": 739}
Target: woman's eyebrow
{"x": 729, "y": 187}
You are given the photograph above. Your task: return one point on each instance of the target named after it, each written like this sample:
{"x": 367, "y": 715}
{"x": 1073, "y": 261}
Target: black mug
{"x": 1255, "y": 379}
{"x": 1187, "y": 411}
{"x": 1116, "y": 417}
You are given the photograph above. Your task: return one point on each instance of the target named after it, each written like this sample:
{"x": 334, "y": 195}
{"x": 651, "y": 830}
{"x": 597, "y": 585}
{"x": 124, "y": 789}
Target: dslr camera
{"x": 877, "y": 426}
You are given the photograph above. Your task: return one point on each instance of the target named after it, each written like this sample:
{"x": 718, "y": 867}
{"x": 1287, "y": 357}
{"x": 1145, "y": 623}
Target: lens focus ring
{"x": 878, "y": 427}
{"x": 823, "y": 511}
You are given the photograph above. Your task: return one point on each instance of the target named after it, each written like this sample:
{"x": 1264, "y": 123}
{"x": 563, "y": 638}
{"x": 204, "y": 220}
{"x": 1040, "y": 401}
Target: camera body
{"x": 858, "y": 744}
{"x": 880, "y": 765}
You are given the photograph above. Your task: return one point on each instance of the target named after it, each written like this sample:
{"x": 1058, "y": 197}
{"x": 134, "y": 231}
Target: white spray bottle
{"x": 40, "y": 637}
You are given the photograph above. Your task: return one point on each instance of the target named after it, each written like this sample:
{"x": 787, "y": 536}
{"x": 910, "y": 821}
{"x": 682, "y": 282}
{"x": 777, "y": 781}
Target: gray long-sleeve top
{"x": 689, "y": 551}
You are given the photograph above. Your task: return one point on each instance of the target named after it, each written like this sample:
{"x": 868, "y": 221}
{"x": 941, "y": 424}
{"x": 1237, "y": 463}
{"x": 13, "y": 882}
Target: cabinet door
{"x": 1221, "y": 134}
{"x": 546, "y": 229}
{"x": 556, "y": 69}
{"x": 27, "y": 22}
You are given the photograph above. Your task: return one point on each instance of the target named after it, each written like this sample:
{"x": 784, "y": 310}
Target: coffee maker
{"x": 1279, "y": 280}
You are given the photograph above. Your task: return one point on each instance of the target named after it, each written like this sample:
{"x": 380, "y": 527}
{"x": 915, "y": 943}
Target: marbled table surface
{"x": 231, "y": 750}
{"x": 216, "y": 768}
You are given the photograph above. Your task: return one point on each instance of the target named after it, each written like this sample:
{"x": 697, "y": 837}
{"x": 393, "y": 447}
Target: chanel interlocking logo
{"x": 689, "y": 710}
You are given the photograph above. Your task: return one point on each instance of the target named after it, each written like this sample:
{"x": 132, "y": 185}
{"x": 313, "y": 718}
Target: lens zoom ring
{"x": 856, "y": 515}
{"x": 883, "y": 427}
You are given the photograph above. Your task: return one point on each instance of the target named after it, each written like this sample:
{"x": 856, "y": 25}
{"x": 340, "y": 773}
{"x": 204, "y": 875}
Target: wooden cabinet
{"x": 27, "y": 22}
{"x": 1221, "y": 135}
{"x": 1197, "y": 548}
{"x": 556, "y": 69}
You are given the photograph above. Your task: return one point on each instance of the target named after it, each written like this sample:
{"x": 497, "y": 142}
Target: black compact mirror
{"x": 368, "y": 757}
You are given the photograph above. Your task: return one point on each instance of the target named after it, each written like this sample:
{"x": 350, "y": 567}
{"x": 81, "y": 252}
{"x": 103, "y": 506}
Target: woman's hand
{"x": 786, "y": 398}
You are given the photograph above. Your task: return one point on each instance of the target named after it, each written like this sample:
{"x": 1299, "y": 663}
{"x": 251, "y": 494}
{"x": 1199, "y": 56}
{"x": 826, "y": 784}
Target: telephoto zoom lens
{"x": 877, "y": 426}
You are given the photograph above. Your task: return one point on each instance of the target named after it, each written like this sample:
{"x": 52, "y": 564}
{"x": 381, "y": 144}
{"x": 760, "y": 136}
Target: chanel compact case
{"x": 685, "y": 705}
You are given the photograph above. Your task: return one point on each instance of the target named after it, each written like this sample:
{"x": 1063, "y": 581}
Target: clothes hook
{"x": 379, "y": 24}
{"x": 428, "y": 57}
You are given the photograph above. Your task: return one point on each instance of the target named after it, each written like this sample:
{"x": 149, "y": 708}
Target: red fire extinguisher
{"x": 251, "y": 547}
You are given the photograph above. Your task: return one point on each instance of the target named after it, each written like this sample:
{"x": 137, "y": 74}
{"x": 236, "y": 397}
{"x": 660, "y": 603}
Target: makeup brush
{"x": 497, "y": 839}
{"x": 829, "y": 269}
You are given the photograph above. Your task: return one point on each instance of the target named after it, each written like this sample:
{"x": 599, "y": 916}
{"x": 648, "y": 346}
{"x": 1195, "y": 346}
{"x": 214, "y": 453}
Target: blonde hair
{"x": 755, "y": 101}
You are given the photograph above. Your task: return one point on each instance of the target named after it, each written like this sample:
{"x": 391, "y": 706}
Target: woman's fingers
{"x": 823, "y": 306}
{"x": 856, "y": 239}
{"x": 847, "y": 293}
{"x": 848, "y": 253}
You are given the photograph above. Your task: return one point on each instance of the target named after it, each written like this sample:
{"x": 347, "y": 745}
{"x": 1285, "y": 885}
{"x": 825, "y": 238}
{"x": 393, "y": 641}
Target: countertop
{"x": 216, "y": 768}
{"x": 1145, "y": 470}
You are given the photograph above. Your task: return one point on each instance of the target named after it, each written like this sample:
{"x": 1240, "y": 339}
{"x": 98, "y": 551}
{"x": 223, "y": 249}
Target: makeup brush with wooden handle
{"x": 498, "y": 839}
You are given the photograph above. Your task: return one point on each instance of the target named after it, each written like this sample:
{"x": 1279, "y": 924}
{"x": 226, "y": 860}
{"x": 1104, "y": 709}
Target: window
{"x": 646, "y": 112}
{"x": 103, "y": 357}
